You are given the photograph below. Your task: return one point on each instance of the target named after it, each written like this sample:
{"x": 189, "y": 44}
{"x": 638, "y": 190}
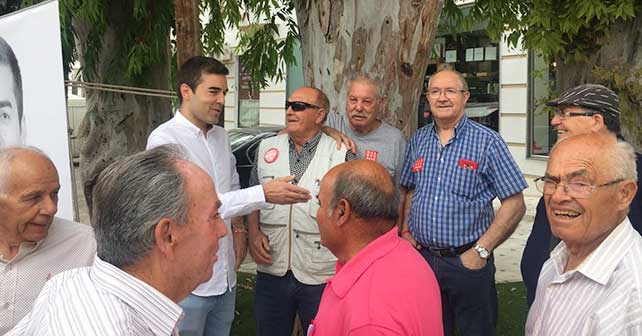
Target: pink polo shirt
{"x": 386, "y": 289}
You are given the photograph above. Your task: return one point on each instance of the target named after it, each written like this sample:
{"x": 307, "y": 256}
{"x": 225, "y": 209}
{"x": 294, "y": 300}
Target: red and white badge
{"x": 418, "y": 166}
{"x": 371, "y": 155}
{"x": 271, "y": 155}
{"x": 467, "y": 164}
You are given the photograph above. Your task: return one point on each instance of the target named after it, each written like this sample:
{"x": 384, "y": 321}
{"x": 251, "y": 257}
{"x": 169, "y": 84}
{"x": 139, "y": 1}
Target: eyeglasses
{"x": 298, "y": 106}
{"x": 575, "y": 189}
{"x": 449, "y": 93}
{"x": 566, "y": 114}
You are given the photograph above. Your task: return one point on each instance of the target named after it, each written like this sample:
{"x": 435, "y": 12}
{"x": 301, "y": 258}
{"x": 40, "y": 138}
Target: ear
{"x": 626, "y": 192}
{"x": 320, "y": 116}
{"x": 166, "y": 236}
{"x": 186, "y": 91}
{"x": 598, "y": 122}
{"x": 466, "y": 96}
{"x": 343, "y": 212}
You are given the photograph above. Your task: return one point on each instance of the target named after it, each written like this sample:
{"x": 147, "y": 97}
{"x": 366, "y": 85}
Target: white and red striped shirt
{"x": 602, "y": 296}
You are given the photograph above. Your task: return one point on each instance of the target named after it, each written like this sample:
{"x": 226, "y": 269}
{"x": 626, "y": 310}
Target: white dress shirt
{"x": 100, "y": 300}
{"x": 67, "y": 245}
{"x": 214, "y": 155}
{"x": 602, "y": 296}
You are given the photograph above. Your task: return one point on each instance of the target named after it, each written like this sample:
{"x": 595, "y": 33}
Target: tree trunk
{"x": 116, "y": 124}
{"x": 617, "y": 65}
{"x": 386, "y": 40}
{"x": 188, "y": 30}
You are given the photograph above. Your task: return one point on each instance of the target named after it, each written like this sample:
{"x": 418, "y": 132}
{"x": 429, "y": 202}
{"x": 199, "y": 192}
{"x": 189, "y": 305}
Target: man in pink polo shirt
{"x": 382, "y": 285}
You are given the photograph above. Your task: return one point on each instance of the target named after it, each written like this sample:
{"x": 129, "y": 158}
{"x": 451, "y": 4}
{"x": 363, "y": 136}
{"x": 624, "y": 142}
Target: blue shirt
{"x": 456, "y": 184}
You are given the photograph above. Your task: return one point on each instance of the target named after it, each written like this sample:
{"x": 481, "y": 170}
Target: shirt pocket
{"x": 464, "y": 183}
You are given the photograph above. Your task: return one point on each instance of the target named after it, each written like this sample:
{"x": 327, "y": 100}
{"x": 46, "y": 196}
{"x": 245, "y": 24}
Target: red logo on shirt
{"x": 418, "y": 166}
{"x": 371, "y": 155}
{"x": 271, "y": 155}
{"x": 467, "y": 164}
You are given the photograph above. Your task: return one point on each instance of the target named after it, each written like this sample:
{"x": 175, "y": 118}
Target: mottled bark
{"x": 386, "y": 40}
{"x": 620, "y": 51}
{"x": 116, "y": 124}
{"x": 188, "y": 30}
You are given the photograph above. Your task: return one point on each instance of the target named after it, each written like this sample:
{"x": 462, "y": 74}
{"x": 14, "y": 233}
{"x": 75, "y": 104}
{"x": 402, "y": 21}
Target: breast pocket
{"x": 465, "y": 183}
{"x": 320, "y": 260}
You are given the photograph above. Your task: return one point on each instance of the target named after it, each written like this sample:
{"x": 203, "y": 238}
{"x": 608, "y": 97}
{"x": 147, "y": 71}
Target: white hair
{"x": 7, "y": 158}
{"x": 621, "y": 161}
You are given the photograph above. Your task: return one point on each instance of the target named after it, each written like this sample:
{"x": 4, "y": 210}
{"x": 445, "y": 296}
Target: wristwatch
{"x": 482, "y": 251}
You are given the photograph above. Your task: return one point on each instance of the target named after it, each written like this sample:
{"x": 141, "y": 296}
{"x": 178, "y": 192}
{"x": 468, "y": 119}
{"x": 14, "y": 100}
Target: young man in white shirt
{"x": 201, "y": 88}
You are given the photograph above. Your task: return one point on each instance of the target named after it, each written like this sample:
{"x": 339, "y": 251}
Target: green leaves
{"x": 568, "y": 29}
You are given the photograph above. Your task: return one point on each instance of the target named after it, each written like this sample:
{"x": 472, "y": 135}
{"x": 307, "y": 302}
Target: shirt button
{"x": 436, "y": 198}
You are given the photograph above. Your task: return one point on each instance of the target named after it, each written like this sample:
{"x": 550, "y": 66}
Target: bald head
{"x": 367, "y": 187}
{"x": 17, "y": 158}
{"x": 614, "y": 158}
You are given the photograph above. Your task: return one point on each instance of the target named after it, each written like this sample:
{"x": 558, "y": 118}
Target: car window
{"x": 238, "y": 139}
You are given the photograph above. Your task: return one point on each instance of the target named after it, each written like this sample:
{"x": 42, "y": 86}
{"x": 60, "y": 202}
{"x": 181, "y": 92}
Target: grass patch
{"x": 511, "y": 297}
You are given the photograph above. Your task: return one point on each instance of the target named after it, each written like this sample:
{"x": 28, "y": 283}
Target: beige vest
{"x": 292, "y": 229}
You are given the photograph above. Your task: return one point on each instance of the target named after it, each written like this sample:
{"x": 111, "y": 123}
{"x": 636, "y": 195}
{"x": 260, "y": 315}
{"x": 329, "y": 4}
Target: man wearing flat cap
{"x": 584, "y": 109}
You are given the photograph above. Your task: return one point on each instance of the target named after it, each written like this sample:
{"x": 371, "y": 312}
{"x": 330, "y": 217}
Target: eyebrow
{"x": 581, "y": 172}
{"x": 217, "y": 88}
{"x": 5, "y": 103}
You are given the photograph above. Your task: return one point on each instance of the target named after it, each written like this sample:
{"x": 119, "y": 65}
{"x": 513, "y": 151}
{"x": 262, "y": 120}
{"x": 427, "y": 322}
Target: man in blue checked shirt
{"x": 454, "y": 168}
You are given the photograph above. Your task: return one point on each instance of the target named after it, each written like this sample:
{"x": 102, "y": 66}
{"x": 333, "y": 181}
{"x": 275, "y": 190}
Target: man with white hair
{"x": 592, "y": 283}
{"x": 157, "y": 219}
{"x": 34, "y": 244}
{"x": 376, "y": 140}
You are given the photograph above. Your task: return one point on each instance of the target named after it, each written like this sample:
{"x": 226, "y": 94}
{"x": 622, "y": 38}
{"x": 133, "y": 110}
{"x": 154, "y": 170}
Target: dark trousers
{"x": 468, "y": 297}
{"x": 277, "y": 300}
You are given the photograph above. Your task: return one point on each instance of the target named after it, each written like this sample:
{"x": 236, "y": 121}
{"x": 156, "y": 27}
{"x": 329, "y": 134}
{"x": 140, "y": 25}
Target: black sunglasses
{"x": 298, "y": 106}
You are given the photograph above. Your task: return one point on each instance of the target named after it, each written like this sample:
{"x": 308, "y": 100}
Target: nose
{"x": 556, "y": 120}
{"x": 221, "y": 229}
{"x": 560, "y": 193}
{"x": 49, "y": 206}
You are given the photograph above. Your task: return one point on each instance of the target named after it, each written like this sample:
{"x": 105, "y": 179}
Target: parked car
{"x": 244, "y": 143}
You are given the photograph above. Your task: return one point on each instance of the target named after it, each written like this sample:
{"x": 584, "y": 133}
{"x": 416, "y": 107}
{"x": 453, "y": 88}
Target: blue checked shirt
{"x": 456, "y": 184}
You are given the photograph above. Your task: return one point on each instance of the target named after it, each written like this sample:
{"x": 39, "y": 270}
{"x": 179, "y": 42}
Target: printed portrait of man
{"x": 11, "y": 114}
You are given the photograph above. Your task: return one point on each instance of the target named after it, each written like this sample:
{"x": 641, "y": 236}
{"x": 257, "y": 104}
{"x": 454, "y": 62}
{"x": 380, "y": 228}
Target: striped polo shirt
{"x": 100, "y": 300}
{"x": 454, "y": 185}
{"x": 602, "y": 296}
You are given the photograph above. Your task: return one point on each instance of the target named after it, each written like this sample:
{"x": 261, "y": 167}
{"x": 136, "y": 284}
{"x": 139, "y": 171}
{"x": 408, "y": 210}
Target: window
{"x": 248, "y": 97}
{"x": 541, "y": 83}
{"x": 476, "y": 57}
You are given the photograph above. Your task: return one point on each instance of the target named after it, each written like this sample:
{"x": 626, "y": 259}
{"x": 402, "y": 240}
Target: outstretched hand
{"x": 281, "y": 191}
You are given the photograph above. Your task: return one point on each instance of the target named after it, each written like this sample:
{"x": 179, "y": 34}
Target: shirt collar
{"x": 347, "y": 274}
{"x": 308, "y": 145}
{"x": 459, "y": 128}
{"x": 24, "y": 250}
{"x": 183, "y": 121}
{"x": 156, "y": 310}
{"x": 602, "y": 262}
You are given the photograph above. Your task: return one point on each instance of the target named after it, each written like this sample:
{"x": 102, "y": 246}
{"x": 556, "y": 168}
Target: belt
{"x": 449, "y": 251}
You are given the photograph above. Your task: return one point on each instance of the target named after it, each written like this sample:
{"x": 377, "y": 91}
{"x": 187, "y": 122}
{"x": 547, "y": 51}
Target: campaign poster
{"x": 33, "y": 109}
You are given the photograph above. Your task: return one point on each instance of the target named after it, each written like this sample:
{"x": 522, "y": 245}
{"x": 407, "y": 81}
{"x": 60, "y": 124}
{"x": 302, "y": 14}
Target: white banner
{"x": 34, "y": 36}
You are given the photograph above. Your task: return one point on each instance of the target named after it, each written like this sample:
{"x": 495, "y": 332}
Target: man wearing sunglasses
{"x": 592, "y": 281}
{"x": 584, "y": 109}
{"x": 376, "y": 140}
{"x": 201, "y": 88}
{"x": 284, "y": 240}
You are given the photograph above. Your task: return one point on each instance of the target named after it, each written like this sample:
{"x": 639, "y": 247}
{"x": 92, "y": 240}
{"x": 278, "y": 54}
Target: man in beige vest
{"x": 284, "y": 240}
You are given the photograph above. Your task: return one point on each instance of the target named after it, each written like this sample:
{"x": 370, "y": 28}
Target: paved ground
{"x": 507, "y": 256}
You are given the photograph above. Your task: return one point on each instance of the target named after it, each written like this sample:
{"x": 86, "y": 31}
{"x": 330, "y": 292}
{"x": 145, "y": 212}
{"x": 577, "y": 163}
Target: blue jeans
{"x": 277, "y": 300}
{"x": 208, "y": 315}
{"x": 468, "y": 297}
